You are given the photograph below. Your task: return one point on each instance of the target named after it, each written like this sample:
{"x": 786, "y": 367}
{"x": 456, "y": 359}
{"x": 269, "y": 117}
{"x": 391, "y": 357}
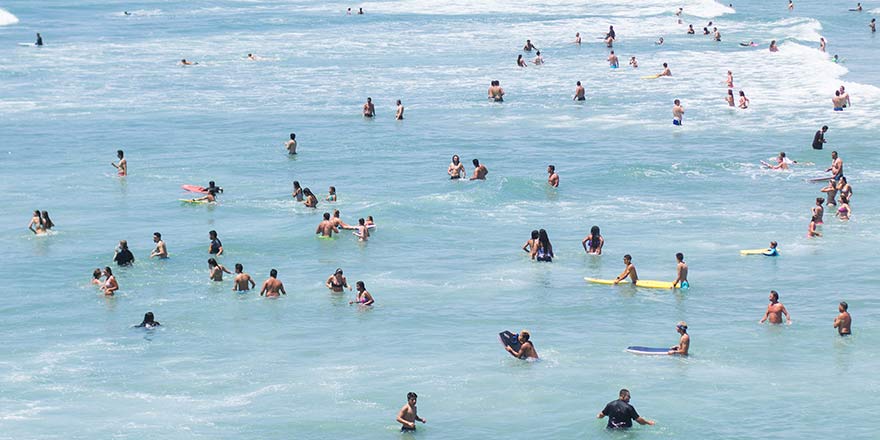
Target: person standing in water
{"x": 873, "y": 25}
{"x": 456, "y": 168}
{"x": 684, "y": 343}
{"x": 595, "y": 242}
{"x": 160, "y": 250}
{"x": 122, "y": 165}
{"x": 531, "y": 243}
{"x": 297, "y": 191}
{"x": 123, "y": 256}
{"x": 539, "y": 60}
{"x": 634, "y": 63}
{"x": 242, "y": 282}
{"x": 773, "y": 47}
{"x": 363, "y": 298}
{"x": 216, "y": 270}
{"x": 610, "y": 36}
{"x": 577, "y": 38}
{"x": 775, "y": 311}
{"x": 822, "y": 44}
{"x": 811, "y": 231}
{"x": 836, "y": 167}
{"x": 36, "y": 224}
{"x": 45, "y": 221}
{"x": 819, "y": 138}
{"x": 361, "y": 231}
{"x": 216, "y": 247}
{"x": 613, "y": 61}
{"x": 291, "y": 144}
{"x": 272, "y": 287}
{"x": 818, "y": 211}
{"x": 369, "y": 108}
{"x": 39, "y": 42}
{"x": 110, "y": 285}
{"x": 520, "y": 61}
{"x": 579, "y": 93}
{"x": 529, "y": 46}
{"x": 790, "y": 6}
{"x": 544, "y": 250}
{"x": 337, "y": 282}
{"x": 773, "y": 250}
{"x": 729, "y": 98}
{"x": 621, "y": 414}
{"x": 480, "y": 171}
{"x": 310, "y": 200}
{"x": 326, "y": 228}
{"x": 677, "y": 113}
{"x": 496, "y": 93}
{"x": 629, "y": 271}
{"x": 843, "y": 321}
{"x": 399, "y": 114}
{"x": 552, "y": 177}
{"x": 409, "y": 415}
{"x": 526, "y": 348}
{"x": 681, "y": 277}
{"x": 743, "y": 101}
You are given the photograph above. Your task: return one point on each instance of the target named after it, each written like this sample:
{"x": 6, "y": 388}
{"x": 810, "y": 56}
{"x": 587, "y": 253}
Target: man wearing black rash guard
{"x": 819, "y": 138}
{"x": 621, "y": 414}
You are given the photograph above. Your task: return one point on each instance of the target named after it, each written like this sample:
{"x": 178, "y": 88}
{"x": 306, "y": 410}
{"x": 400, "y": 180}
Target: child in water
{"x": 331, "y": 197}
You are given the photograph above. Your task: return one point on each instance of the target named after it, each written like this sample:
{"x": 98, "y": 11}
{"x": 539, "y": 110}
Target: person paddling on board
{"x": 630, "y": 271}
{"x": 621, "y": 414}
{"x": 684, "y": 343}
{"x": 211, "y": 197}
{"x": 681, "y": 278}
{"x": 772, "y": 251}
{"x": 526, "y": 348}
{"x": 775, "y": 311}
{"x": 666, "y": 71}
{"x": 843, "y": 321}
{"x": 409, "y": 414}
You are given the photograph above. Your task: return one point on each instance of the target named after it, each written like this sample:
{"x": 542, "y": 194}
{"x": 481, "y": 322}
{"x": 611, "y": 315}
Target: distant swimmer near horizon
{"x": 39, "y": 42}
{"x": 858, "y": 8}
{"x": 184, "y": 62}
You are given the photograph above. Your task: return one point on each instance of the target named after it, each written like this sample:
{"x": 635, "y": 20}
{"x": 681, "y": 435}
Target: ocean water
{"x": 444, "y": 264}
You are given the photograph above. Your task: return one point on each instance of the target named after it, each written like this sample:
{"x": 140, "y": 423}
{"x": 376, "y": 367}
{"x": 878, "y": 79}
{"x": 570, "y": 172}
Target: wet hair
{"x": 782, "y": 154}
{"x": 212, "y": 233}
{"x": 96, "y": 274}
{"x": 628, "y": 257}
{"x": 148, "y": 319}
{"x": 476, "y": 162}
{"x": 292, "y": 136}
{"x": 545, "y": 241}
{"x": 411, "y": 395}
{"x": 624, "y": 393}
{"x": 296, "y": 184}
{"x": 676, "y": 102}
{"x": 157, "y": 235}
{"x": 46, "y": 221}
{"x": 361, "y": 221}
{"x": 843, "y": 179}
{"x": 369, "y": 99}
{"x": 594, "y": 240}
{"x": 824, "y": 127}
{"x": 578, "y": 83}
{"x": 552, "y": 167}
{"x": 326, "y": 216}
{"x": 335, "y": 213}
{"x": 820, "y": 200}
{"x": 239, "y": 267}
{"x": 273, "y": 273}
{"x": 370, "y": 217}
{"x": 773, "y": 244}
{"x": 119, "y": 153}
{"x": 535, "y": 234}
{"x": 730, "y": 92}
{"x": 398, "y": 102}
{"x": 665, "y": 65}
{"x": 360, "y": 285}
{"x": 455, "y": 156}
{"x": 212, "y": 262}
{"x": 307, "y": 192}
{"x": 775, "y": 295}
{"x": 108, "y": 271}
{"x": 332, "y": 190}
{"x": 338, "y": 271}
{"x": 844, "y": 305}
{"x": 525, "y": 335}
{"x": 123, "y": 244}
{"x": 741, "y": 93}
{"x": 538, "y": 52}
{"x": 679, "y": 256}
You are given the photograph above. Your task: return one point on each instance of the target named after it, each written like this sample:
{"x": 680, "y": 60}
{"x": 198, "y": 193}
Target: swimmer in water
{"x": 531, "y": 243}
{"x": 684, "y": 343}
{"x": 844, "y": 188}
{"x": 272, "y": 287}
{"x": 456, "y": 169}
{"x": 36, "y": 224}
{"x": 790, "y": 6}
{"x": 39, "y": 42}
{"x": 361, "y": 230}
{"x": 845, "y": 97}
{"x": 310, "y": 200}
{"x": 873, "y": 25}
{"x": 216, "y": 247}
{"x": 126, "y": 13}
{"x": 844, "y": 211}
{"x": 677, "y": 112}
{"x": 148, "y": 322}
{"x": 595, "y": 242}
{"x": 480, "y": 171}
{"x": 678, "y": 14}
{"x": 160, "y": 251}
{"x": 360, "y": 11}
{"x": 716, "y": 35}
{"x": 818, "y": 211}
{"x": 858, "y": 7}
{"x": 666, "y": 71}
{"x": 729, "y": 79}
{"x": 705, "y": 31}
{"x": 613, "y": 61}
{"x": 96, "y": 277}
{"x": 629, "y": 271}
{"x": 836, "y": 167}
{"x": 290, "y": 145}
{"x": 831, "y": 190}
{"x": 520, "y": 62}
{"x": 539, "y": 60}
{"x": 773, "y": 250}
{"x": 837, "y": 102}
{"x": 552, "y": 177}
{"x": 659, "y": 42}
{"x": 577, "y": 38}
{"x": 634, "y": 63}
{"x": 408, "y": 415}
{"x": 812, "y": 232}
{"x": 252, "y": 57}
{"x": 529, "y": 46}
{"x": 326, "y": 228}
{"x": 526, "y": 348}
{"x": 773, "y": 47}
{"x": 544, "y": 250}
{"x": 363, "y": 297}
{"x": 369, "y": 108}
{"x": 216, "y": 270}
{"x": 123, "y": 256}
{"x": 843, "y": 321}
{"x": 743, "y": 101}
{"x": 243, "y": 281}
{"x": 775, "y": 311}
{"x": 579, "y": 93}
{"x": 210, "y": 197}
{"x": 337, "y": 221}
{"x": 610, "y": 36}
{"x": 835, "y": 59}
{"x": 331, "y": 194}
{"x": 819, "y": 138}
{"x": 122, "y": 165}
{"x": 184, "y": 62}
{"x": 297, "y": 191}
{"x": 729, "y": 98}
{"x": 337, "y": 282}
{"x": 399, "y": 114}
{"x": 621, "y": 414}
{"x": 110, "y": 285}
{"x": 45, "y": 221}
{"x": 370, "y": 222}
{"x": 822, "y": 44}
{"x": 496, "y": 93}
{"x": 691, "y": 30}
{"x": 681, "y": 278}
{"x": 782, "y": 162}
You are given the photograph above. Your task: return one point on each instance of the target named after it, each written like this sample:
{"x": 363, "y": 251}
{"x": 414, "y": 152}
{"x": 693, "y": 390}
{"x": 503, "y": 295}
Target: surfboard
{"x": 635, "y": 349}
{"x": 754, "y": 251}
{"x": 651, "y": 77}
{"x": 26, "y": 44}
{"x": 648, "y": 284}
{"x": 509, "y": 339}
{"x": 194, "y": 202}
{"x": 195, "y": 188}
{"x": 820, "y": 179}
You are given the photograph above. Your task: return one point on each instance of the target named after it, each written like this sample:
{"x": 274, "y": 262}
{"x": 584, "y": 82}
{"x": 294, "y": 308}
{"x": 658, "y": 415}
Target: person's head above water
{"x": 326, "y": 216}
{"x": 149, "y": 321}
{"x": 293, "y": 136}
{"x": 360, "y": 286}
{"x": 455, "y": 158}
{"x": 665, "y": 65}
{"x": 624, "y": 395}
{"x": 843, "y": 306}
{"x": 682, "y": 327}
{"x": 551, "y": 168}
{"x": 676, "y": 102}
{"x": 239, "y": 268}
{"x": 96, "y": 274}
{"x": 157, "y": 236}
{"x": 524, "y": 335}
{"x": 774, "y": 296}
{"x": 679, "y": 256}
{"x": 119, "y": 154}
{"x": 476, "y": 162}
{"x": 212, "y": 262}
{"x": 273, "y": 273}
{"x": 535, "y": 234}
{"x": 212, "y": 234}
{"x": 773, "y": 244}
{"x": 627, "y": 258}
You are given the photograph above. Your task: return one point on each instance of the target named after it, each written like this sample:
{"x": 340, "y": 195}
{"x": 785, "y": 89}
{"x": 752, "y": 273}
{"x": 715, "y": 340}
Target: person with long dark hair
{"x": 544, "y": 251}
{"x": 593, "y": 243}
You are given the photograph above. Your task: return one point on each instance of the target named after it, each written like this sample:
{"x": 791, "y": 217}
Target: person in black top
{"x": 216, "y": 247}
{"x": 621, "y": 414}
{"x": 123, "y": 256}
{"x": 148, "y": 322}
{"x": 819, "y": 138}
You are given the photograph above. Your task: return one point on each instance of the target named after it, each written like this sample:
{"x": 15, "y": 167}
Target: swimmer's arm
{"x": 264, "y": 289}
{"x": 526, "y": 246}
{"x": 765, "y": 316}
{"x": 281, "y": 288}
{"x": 31, "y": 226}
{"x": 584, "y": 243}
{"x": 220, "y": 252}
{"x": 785, "y": 312}
{"x": 644, "y": 421}
{"x": 114, "y": 165}
{"x": 251, "y": 282}
{"x": 224, "y": 269}
{"x": 837, "y": 322}
{"x": 622, "y": 276}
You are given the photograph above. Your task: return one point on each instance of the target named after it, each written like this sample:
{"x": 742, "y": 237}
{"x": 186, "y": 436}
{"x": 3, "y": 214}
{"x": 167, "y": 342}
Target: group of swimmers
{"x": 369, "y": 109}
{"x": 40, "y": 223}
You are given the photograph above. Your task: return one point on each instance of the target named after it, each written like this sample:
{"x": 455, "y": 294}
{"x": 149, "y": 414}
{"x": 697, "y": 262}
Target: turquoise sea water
{"x": 444, "y": 264}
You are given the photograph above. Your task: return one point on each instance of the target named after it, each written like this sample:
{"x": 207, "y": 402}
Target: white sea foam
{"x": 6, "y": 18}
